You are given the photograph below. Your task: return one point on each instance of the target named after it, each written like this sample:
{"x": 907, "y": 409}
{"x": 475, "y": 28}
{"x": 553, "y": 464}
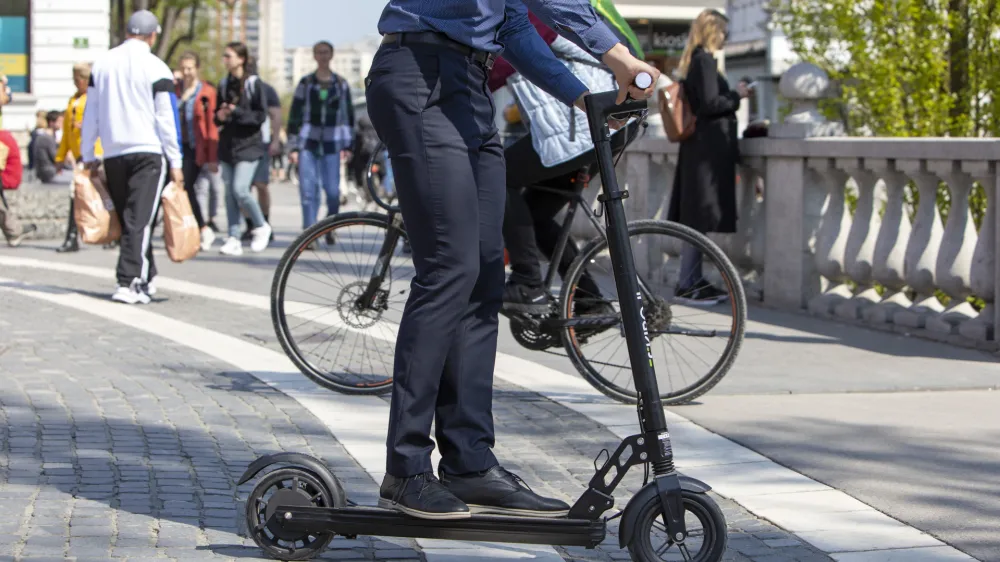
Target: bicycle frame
{"x": 575, "y": 201}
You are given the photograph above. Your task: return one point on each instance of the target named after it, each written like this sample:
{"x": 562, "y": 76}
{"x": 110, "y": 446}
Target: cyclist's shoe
{"x": 330, "y": 239}
{"x": 501, "y": 492}
{"x": 524, "y": 299}
{"x": 592, "y": 306}
{"x": 421, "y": 496}
{"x": 701, "y": 294}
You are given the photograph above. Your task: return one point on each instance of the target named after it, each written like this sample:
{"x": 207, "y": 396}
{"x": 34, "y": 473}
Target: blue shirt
{"x": 502, "y": 26}
{"x": 188, "y": 108}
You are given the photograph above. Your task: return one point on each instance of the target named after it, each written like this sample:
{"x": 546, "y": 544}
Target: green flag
{"x": 606, "y": 8}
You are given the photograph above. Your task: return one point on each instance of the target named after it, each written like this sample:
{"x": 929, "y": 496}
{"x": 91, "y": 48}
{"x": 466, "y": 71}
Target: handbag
{"x": 678, "y": 120}
{"x": 181, "y": 235}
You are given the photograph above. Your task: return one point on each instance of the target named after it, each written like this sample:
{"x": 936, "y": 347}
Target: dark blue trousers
{"x": 432, "y": 108}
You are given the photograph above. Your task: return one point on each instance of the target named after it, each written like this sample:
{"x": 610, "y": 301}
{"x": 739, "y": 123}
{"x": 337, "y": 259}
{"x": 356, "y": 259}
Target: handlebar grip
{"x": 643, "y": 80}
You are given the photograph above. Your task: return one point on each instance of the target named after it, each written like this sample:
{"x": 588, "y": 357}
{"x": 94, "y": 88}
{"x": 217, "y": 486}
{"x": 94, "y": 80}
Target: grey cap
{"x": 143, "y": 22}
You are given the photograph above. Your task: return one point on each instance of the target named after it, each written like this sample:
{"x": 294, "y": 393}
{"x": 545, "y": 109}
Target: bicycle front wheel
{"x": 336, "y": 300}
{"x": 695, "y": 324}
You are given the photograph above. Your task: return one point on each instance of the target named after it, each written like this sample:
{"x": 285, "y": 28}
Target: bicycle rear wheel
{"x": 336, "y": 338}
{"x": 694, "y": 341}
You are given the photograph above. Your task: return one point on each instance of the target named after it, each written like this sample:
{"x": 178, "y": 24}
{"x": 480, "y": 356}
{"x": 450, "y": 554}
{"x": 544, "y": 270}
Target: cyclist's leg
{"x": 544, "y": 207}
{"x": 524, "y": 291}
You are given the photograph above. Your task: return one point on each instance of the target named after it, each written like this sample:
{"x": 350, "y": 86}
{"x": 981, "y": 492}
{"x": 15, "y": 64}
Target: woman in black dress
{"x": 704, "y": 193}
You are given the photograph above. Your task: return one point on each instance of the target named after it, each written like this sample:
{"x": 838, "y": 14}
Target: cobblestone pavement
{"x": 119, "y": 445}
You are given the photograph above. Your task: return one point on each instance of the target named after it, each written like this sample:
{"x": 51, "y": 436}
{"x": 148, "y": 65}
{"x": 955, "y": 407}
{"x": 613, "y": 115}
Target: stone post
{"x": 794, "y": 200}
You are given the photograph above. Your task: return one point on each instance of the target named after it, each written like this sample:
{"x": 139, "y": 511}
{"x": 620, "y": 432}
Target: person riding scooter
{"x": 436, "y": 117}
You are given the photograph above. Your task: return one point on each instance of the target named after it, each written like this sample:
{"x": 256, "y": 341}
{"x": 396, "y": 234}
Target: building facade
{"x": 352, "y": 61}
{"x": 662, "y": 26}
{"x": 260, "y": 24}
{"x": 40, "y": 41}
{"x": 759, "y": 51}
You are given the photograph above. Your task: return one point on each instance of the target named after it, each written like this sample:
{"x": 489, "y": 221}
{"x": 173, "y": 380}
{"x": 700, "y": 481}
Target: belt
{"x": 434, "y": 38}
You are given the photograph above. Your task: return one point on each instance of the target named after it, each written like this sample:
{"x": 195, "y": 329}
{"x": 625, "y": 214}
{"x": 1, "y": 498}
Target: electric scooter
{"x": 294, "y": 512}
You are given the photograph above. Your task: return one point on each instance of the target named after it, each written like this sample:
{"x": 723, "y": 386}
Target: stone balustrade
{"x": 800, "y": 247}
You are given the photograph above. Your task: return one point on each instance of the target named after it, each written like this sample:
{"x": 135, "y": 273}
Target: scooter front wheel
{"x": 286, "y": 486}
{"x": 706, "y": 525}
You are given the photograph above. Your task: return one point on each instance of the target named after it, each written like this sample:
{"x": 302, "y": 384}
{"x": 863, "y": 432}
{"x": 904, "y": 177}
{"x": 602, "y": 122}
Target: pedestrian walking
{"x": 321, "y": 132}
{"x": 704, "y": 192}
{"x": 199, "y": 140}
{"x": 69, "y": 146}
{"x": 241, "y": 111}
{"x": 431, "y": 105}
{"x": 270, "y": 134}
{"x": 132, "y": 107}
{"x": 11, "y": 172}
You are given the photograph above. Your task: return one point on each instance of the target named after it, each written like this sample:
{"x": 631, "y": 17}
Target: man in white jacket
{"x": 132, "y": 108}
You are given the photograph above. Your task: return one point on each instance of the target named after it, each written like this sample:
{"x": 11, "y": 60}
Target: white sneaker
{"x": 150, "y": 288}
{"x": 261, "y": 237}
{"x": 232, "y": 247}
{"x": 207, "y": 239}
{"x": 130, "y": 295}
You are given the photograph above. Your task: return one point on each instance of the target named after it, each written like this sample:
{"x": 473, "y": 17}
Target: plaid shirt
{"x": 317, "y": 125}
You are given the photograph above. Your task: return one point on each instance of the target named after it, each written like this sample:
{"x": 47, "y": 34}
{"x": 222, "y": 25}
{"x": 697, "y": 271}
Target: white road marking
{"x": 763, "y": 487}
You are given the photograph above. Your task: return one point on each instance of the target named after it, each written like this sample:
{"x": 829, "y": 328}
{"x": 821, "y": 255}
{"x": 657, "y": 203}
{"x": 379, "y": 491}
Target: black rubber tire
{"x": 703, "y": 507}
{"x": 252, "y": 514}
{"x": 737, "y": 299}
{"x": 279, "y": 320}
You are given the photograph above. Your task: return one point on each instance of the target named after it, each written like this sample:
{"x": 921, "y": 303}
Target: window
{"x": 14, "y": 60}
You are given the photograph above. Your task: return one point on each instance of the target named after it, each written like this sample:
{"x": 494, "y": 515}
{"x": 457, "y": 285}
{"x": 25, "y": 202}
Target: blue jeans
{"x": 237, "y": 179}
{"x": 314, "y": 170}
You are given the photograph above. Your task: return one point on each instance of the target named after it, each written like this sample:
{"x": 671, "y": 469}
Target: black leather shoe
{"x": 421, "y": 496}
{"x": 501, "y": 492}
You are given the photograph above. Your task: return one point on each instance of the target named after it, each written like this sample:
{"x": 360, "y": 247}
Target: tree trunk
{"x": 170, "y": 16}
{"x": 118, "y": 30}
{"x": 958, "y": 60}
{"x": 188, "y": 37}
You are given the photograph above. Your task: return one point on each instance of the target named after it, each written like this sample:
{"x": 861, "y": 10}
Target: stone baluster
{"x": 637, "y": 207}
{"x": 984, "y": 279}
{"x": 791, "y": 280}
{"x": 748, "y": 253}
{"x": 954, "y": 264}
{"x": 661, "y": 172}
{"x": 921, "y": 256}
{"x": 746, "y": 197}
{"x": 831, "y": 238}
{"x": 859, "y": 251}
{"x": 890, "y": 247}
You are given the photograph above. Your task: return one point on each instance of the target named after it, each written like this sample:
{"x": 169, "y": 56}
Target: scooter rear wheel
{"x": 286, "y": 486}
{"x": 706, "y": 525}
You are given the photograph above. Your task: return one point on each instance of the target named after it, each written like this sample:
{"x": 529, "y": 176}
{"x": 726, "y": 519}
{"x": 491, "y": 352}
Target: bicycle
{"x": 369, "y": 303}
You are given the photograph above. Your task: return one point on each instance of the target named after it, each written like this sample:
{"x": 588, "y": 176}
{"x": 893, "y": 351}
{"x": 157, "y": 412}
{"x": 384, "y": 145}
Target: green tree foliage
{"x": 183, "y": 22}
{"x": 905, "y": 68}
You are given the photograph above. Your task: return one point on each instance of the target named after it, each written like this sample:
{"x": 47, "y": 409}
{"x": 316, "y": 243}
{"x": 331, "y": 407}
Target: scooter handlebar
{"x": 602, "y": 105}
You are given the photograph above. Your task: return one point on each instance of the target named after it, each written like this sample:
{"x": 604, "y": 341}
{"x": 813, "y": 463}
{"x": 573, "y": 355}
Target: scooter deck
{"x": 375, "y": 521}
